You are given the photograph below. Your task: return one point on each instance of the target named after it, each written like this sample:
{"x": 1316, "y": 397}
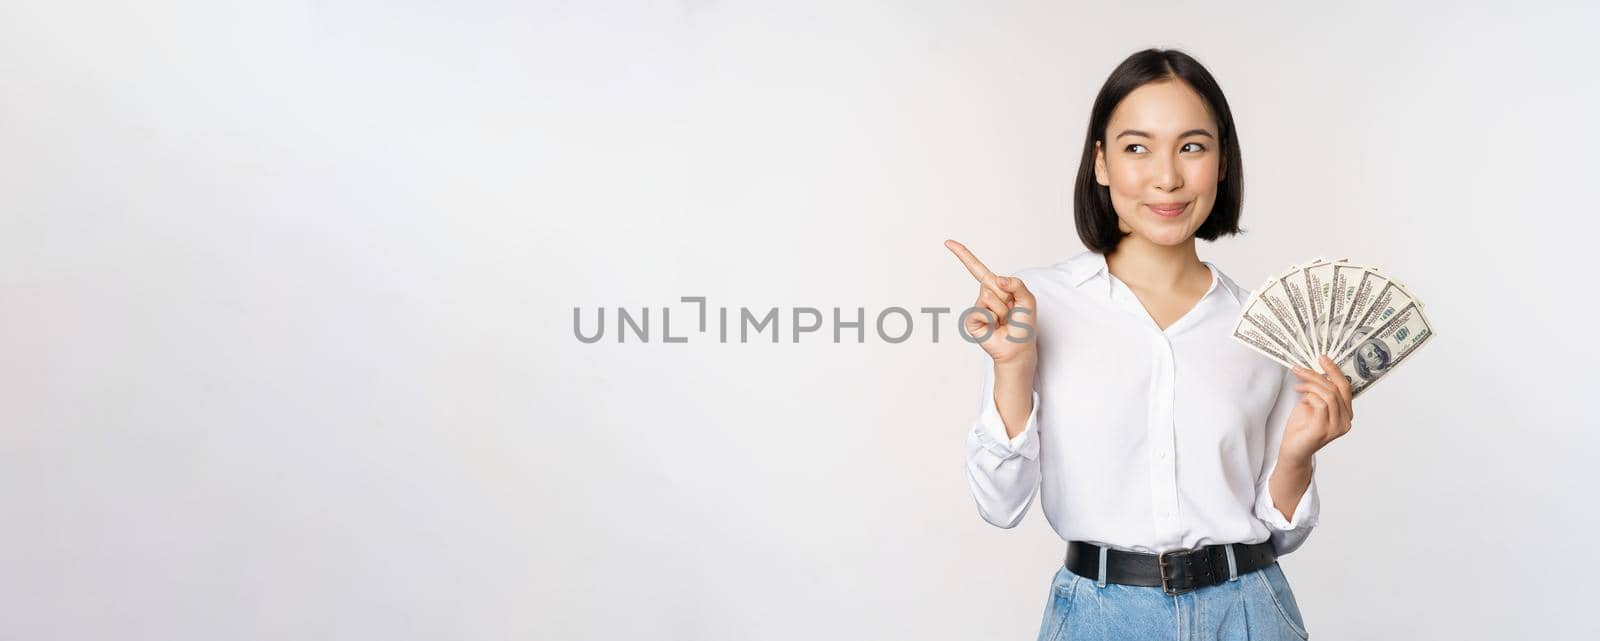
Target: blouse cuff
{"x": 991, "y": 432}
{"x": 1306, "y": 512}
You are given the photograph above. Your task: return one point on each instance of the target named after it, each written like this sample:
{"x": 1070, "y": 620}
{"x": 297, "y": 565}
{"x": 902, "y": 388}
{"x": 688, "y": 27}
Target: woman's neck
{"x": 1146, "y": 266}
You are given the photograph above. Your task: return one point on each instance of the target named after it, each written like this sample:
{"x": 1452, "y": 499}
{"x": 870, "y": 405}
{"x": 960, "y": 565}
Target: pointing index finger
{"x": 979, "y": 271}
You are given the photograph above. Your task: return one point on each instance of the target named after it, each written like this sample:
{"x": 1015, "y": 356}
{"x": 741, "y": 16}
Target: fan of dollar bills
{"x": 1364, "y": 320}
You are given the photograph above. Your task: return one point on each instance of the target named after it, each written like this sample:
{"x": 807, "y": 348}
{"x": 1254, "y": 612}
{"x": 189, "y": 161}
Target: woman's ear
{"x": 1100, "y": 174}
{"x": 1222, "y": 169}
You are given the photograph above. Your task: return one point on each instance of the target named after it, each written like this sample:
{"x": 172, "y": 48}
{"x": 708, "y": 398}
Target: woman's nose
{"x": 1167, "y": 176}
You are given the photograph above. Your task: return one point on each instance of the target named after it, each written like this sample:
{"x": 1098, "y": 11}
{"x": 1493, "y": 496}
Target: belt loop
{"x": 1102, "y": 579}
{"x": 1233, "y": 567}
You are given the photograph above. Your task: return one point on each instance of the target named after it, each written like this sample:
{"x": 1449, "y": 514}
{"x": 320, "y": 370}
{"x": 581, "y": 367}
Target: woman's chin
{"x": 1166, "y": 237}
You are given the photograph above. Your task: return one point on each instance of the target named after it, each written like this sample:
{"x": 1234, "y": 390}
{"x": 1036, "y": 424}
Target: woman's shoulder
{"x": 1238, "y": 294}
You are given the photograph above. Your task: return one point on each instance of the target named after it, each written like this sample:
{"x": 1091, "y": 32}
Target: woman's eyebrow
{"x": 1191, "y": 132}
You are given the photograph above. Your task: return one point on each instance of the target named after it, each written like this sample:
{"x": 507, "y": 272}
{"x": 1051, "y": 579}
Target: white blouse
{"x": 1140, "y": 439}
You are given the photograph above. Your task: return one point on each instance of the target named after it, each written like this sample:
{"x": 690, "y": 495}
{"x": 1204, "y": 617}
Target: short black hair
{"x": 1092, "y": 210}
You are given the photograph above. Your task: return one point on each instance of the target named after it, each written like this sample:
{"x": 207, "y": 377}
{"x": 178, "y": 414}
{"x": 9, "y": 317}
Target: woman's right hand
{"x": 1011, "y": 337}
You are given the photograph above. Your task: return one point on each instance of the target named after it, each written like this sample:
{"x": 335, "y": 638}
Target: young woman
{"x": 1176, "y": 463}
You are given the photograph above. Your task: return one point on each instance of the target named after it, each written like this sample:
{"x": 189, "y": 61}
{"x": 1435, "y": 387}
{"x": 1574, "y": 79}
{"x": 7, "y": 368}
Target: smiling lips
{"x": 1168, "y": 210}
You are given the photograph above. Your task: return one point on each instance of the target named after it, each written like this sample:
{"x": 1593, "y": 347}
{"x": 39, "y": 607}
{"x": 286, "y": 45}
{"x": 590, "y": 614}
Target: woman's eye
{"x": 1197, "y": 146}
{"x": 1131, "y": 147}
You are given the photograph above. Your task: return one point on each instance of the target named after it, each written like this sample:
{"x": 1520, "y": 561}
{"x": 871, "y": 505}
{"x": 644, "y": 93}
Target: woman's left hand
{"x": 1323, "y": 413}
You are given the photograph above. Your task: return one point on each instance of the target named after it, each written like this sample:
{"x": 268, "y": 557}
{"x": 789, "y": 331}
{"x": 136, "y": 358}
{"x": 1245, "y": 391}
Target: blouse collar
{"x": 1085, "y": 267}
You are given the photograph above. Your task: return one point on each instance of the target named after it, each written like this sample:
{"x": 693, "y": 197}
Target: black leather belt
{"x": 1176, "y": 571}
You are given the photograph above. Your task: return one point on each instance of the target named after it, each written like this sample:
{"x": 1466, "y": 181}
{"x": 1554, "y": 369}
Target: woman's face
{"x": 1161, "y": 162}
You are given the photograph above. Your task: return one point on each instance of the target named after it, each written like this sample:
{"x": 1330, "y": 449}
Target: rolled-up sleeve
{"x": 1002, "y": 472}
{"x": 1287, "y": 535}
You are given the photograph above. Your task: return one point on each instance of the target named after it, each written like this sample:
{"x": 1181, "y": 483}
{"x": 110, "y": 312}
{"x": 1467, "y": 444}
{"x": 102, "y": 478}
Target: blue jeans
{"x": 1255, "y": 605}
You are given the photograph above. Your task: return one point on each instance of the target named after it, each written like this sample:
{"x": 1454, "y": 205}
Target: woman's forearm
{"x": 1288, "y": 484}
{"x": 1013, "y": 391}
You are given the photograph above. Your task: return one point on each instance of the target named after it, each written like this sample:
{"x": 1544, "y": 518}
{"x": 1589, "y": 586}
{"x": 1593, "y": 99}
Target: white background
{"x": 286, "y": 349}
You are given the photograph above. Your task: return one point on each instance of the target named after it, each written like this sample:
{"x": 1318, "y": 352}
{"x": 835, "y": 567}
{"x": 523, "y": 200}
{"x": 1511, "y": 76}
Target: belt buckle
{"x": 1161, "y": 564}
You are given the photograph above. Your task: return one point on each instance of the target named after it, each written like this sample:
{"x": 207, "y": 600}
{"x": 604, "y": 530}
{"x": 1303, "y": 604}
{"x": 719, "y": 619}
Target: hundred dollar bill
{"x": 1294, "y": 288}
{"x": 1319, "y": 287}
{"x": 1378, "y": 352}
{"x": 1259, "y": 341}
{"x": 1386, "y": 303}
{"x": 1270, "y": 304}
{"x": 1343, "y": 289}
{"x": 1257, "y": 318}
{"x": 1367, "y": 285}
{"x": 1297, "y": 274}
